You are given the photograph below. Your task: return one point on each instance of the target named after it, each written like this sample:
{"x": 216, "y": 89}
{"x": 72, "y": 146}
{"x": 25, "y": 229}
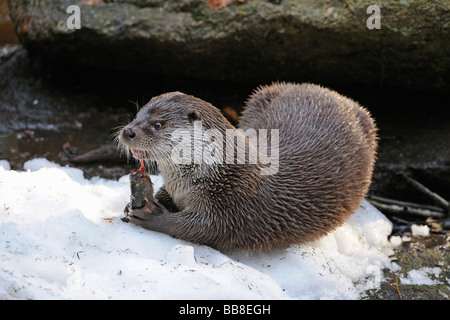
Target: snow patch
{"x": 422, "y": 276}
{"x": 420, "y": 231}
{"x": 62, "y": 238}
{"x": 4, "y": 164}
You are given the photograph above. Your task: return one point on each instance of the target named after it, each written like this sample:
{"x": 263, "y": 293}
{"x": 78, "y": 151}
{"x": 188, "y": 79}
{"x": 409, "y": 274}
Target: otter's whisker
{"x": 116, "y": 132}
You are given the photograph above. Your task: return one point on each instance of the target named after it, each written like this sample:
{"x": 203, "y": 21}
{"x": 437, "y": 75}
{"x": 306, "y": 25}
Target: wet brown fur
{"x": 327, "y": 153}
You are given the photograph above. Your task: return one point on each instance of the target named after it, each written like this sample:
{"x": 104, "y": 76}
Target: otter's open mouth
{"x": 139, "y": 154}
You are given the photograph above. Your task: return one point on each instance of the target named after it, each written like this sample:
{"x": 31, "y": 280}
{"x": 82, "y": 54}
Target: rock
{"x": 22, "y": 92}
{"x": 36, "y": 96}
{"x": 256, "y": 41}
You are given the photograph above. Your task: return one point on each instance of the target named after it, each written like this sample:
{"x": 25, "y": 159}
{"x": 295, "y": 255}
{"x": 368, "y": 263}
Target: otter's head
{"x": 150, "y": 136}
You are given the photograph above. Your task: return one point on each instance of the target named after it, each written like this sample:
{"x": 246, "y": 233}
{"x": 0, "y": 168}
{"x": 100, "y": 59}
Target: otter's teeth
{"x": 138, "y": 153}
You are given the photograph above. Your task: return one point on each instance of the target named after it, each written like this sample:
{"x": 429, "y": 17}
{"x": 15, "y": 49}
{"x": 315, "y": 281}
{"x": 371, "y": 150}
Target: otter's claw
{"x": 127, "y": 211}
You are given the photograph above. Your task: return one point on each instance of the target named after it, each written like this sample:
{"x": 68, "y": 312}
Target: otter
{"x": 326, "y": 152}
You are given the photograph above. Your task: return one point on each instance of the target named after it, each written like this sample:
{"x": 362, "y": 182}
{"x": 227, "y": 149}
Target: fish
{"x": 141, "y": 190}
{"x": 141, "y": 187}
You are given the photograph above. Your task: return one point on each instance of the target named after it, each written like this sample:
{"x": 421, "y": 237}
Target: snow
{"x": 61, "y": 237}
{"x": 422, "y": 276}
{"x": 396, "y": 241}
{"x": 420, "y": 230}
{"x": 5, "y": 165}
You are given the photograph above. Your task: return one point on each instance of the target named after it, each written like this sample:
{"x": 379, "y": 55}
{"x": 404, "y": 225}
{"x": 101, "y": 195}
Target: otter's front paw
{"x": 127, "y": 212}
{"x": 148, "y": 217}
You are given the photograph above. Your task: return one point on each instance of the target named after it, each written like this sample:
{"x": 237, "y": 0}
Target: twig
{"x": 77, "y": 253}
{"x": 406, "y": 203}
{"x": 396, "y": 286}
{"x": 402, "y": 221}
{"x": 435, "y": 197}
{"x": 396, "y": 206}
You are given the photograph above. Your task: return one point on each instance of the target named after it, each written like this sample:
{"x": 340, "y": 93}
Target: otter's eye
{"x": 156, "y": 126}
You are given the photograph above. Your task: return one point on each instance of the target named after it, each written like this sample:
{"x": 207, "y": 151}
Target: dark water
{"x": 60, "y": 144}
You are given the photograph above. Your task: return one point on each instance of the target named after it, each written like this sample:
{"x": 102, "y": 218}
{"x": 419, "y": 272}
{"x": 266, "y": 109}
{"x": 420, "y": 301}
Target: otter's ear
{"x": 193, "y": 115}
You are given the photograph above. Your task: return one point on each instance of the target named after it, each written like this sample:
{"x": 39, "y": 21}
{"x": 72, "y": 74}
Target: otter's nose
{"x": 128, "y": 134}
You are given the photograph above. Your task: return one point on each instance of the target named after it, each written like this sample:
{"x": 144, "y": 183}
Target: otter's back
{"x": 305, "y": 107}
{"x": 327, "y": 146}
